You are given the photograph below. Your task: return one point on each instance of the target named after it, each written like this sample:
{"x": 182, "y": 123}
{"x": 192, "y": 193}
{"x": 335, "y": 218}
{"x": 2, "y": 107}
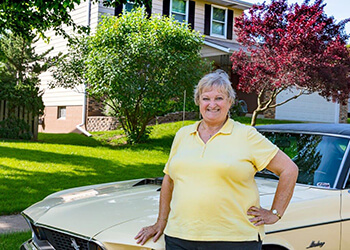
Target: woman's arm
{"x": 157, "y": 229}
{"x": 287, "y": 171}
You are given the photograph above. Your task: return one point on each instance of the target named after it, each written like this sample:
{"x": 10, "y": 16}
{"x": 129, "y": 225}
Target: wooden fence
{"x": 20, "y": 113}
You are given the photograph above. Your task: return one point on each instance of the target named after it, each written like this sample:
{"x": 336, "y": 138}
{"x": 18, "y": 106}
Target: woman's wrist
{"x": 275, "y": 212}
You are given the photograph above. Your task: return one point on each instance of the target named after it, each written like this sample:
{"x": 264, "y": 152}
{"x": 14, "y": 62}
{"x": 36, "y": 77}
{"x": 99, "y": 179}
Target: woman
{"x": 209, "y": 198}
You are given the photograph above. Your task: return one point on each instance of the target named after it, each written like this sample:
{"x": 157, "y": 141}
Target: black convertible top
{"x": 319, "y": 128}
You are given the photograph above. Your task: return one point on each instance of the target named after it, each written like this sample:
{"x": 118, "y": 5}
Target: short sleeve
{"x": 262, "y": 150}
{"x": 173, "y": 150}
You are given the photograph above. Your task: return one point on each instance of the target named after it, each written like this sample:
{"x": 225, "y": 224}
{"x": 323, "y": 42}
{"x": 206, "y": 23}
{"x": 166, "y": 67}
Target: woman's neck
{"x": 214, "y": 127}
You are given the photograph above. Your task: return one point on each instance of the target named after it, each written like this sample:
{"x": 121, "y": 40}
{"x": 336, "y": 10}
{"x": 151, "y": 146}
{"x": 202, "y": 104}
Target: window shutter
{"x": 192, "y": 6}
{"x": 118, "y": 9}
{"x": 166, "y": 7}
{"x": 149, "y": 8}
{"x": 229, "y": 24}
{"x": 207, "y": 19}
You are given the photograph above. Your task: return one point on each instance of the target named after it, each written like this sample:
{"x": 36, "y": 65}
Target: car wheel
{"x": 273, "y": 247}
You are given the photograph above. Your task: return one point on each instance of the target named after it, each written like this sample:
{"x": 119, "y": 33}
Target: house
{"x": 69, "y": 110}
{"x": 310, "y": 108}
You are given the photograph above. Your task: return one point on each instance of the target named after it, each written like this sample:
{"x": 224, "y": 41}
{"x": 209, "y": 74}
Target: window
{"x": 218, "y": 21}
{"x": 129, "y": 6}
{"x": 318, "y": 157}
{"x": 348, "y": 182}
{"x": 179, "y": 10}
{"x": 61, "y": 113}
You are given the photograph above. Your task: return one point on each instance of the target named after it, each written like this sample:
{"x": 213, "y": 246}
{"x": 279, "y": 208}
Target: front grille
{"x": 61, "y": 241}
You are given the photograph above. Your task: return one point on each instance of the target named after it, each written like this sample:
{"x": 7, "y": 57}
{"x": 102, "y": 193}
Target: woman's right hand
{"x": 154, "y": 231}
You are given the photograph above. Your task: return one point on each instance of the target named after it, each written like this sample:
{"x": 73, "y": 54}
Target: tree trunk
{"x": 254, "y": 116}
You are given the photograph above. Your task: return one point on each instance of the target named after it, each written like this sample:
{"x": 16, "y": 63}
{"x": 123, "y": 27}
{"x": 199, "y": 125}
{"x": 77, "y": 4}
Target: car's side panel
{"x": 345, "y": 214}
{"x": 311, "y": 220}
{"x": 322, "y": 236}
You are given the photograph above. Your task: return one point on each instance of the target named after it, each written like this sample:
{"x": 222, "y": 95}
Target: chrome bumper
{"x": 30, "y": 245}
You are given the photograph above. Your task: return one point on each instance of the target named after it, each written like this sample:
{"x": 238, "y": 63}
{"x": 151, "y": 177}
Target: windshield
{"x": 317, "y": 156}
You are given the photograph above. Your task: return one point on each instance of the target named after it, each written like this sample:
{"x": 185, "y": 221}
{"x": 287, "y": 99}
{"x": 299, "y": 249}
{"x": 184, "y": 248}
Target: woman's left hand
{"x": 261, "y": 216}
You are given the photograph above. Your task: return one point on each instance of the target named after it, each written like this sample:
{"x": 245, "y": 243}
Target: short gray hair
{"x": 219, "y": 79}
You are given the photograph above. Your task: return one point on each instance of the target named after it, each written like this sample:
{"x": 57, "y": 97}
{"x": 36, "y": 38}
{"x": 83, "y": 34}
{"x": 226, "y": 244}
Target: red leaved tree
{"x": 291, "y": 47}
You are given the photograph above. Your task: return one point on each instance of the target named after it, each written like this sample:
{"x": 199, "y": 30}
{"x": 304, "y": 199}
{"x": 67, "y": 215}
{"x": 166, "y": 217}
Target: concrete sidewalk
{"x": 13, "y": 223}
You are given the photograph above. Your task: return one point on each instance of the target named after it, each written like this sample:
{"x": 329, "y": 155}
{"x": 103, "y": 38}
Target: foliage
{"x": 20, "y": 67}
{"x": 113, "y": 137}
{"x": 69, "y": 70}
{"x": 291, "y": 47}
{"x": 139, "y": 66}
{"x": 61, "y": 161}
{"x": 239, "y": 108}
{"x": 13, "y": 240}
{"x": 27, "y": 18}
{"x": 14, "y": 128}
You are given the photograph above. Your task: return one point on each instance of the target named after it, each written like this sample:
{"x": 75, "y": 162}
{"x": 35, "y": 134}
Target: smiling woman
{"x": 209, "y": 199}
{"x": 215, "y": 96}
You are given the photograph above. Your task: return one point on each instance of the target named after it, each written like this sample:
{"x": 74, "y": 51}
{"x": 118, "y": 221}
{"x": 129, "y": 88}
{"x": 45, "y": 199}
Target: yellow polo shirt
{"x": 214, "y": 183}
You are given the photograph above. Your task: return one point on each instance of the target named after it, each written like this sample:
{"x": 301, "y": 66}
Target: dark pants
{"x": 172, "y": 243}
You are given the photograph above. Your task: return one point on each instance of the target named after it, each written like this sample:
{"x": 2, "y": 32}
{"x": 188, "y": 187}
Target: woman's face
{"x": 214, "y": 105}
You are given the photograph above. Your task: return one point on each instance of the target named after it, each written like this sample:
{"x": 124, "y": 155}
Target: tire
{"x": 273, "y": 247}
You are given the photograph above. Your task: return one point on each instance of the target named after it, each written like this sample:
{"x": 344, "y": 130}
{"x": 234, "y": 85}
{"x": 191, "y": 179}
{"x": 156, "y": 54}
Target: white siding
{"x": 199, "y": 17}
{"x": 312, "y": 108}
{"x": 236, "y": 13}
{"x": 102, "y": 10}
{"x": 60, "y": 96}
{"x": 207, "y": 51}
{"x": 157, "y": 7}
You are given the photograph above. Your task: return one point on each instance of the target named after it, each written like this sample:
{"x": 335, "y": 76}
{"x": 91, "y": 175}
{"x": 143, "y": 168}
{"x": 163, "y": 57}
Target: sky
{"x": 339, "y": 9}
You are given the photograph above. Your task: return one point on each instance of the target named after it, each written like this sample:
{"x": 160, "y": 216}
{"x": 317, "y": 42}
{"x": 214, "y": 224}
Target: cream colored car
{"x": 108, "y": 216}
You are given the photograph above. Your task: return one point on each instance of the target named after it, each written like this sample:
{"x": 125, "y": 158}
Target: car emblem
{"x": 316, "y": 244}
{"x": 74, "y": 244}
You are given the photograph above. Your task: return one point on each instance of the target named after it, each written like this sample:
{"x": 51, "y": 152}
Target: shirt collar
{"x": 226, "y": 129}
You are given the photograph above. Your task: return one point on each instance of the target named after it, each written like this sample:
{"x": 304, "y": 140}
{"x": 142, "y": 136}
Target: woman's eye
{"x": 205, "y": 99}
{"x": 219, "y": 98}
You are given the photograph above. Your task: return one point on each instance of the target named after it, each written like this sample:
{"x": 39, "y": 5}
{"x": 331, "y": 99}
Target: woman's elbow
{"x": 292, "y": 170}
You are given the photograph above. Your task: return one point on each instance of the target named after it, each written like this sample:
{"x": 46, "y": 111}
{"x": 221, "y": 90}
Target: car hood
{"x": 114, "y": 213}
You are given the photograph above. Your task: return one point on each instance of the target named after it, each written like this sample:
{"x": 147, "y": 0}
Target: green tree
{"x": 30, "y": 17}
{"x": 20, "y": 67}
{"x": 139, "y": 66}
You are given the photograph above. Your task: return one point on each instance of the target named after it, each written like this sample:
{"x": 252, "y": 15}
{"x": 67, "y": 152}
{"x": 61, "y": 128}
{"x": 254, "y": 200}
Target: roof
{"x": 238, "y": 4}
{"x": 227, "y": 47}
{"x": 319, "y": 128}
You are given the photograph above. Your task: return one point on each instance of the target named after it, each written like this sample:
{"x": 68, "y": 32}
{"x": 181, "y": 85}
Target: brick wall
{"x": 174, "y": 117}
{"x": 95, "y": 108}
{"x": 106, "y": 123}
{"x": 101, "y": 123}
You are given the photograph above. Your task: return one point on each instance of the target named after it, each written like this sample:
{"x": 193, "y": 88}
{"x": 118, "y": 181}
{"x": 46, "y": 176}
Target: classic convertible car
{"x": 108, "y": 216}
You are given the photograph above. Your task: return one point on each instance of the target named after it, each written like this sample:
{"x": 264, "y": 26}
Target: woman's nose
{"x": 212, "y": 103}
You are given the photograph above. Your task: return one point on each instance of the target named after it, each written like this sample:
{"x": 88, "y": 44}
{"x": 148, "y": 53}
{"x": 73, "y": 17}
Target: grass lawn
{"x": 13, "y": 241}
{"x": 29, "y": 171}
